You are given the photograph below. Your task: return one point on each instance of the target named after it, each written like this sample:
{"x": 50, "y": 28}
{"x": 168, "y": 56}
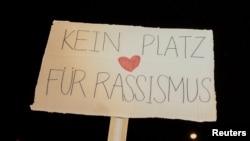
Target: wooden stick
{"x": 118, "y": 129}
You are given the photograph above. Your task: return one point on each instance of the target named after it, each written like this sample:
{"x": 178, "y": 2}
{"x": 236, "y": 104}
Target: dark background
{"x": 31, "y": 24}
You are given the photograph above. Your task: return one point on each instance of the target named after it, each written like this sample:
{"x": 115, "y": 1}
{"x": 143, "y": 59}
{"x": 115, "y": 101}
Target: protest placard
{"x": 127, "y": 71}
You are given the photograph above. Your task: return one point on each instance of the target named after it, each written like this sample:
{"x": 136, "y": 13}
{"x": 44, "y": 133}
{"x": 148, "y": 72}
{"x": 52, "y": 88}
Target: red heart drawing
{"x": 129, "y": 64}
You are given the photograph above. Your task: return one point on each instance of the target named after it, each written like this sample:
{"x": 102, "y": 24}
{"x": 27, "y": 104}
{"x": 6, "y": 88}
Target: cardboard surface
{"x": 127, "y": 71}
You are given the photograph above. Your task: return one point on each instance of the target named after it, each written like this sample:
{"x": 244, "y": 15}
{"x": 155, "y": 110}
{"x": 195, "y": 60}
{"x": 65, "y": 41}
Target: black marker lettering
{"x": 70, "y": 82}
{"x": 51, "y": 71}
{"x": 163, "y": 93}
{"x": 120, "y": 85}
{"x": 171, "y": 40}
{"x": 203, "y": 85}
{"x": 150, "y": 90}
{"x": 130, "y": 87}
{"x": 96, "y": 35}
{"x": 66, "y": 36}
{"x": 158, "y": 45}
{"x": 98, "y": 82}
{"x": 147, "y": 44}
{"x": 117, "y": 47}
{"x": 78, "y": 42}
{"x": 175, "y": 88}
{"x": 137, "y": 83}
{"x": 185, "y": 44}
{"x": 197, "y": 91}
{"x": 193, "y": 54}
{"x": 77, "y": 74}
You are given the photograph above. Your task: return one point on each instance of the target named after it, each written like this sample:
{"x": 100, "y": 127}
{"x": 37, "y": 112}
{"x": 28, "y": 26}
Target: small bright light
{"x": 193, "y": 136}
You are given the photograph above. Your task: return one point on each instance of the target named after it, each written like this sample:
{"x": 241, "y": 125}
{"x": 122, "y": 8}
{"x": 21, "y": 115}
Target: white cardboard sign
{"x": 127, "y": 71}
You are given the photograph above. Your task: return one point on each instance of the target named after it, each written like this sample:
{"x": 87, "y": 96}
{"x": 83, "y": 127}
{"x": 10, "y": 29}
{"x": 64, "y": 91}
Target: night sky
{"x": 229, "y": 22}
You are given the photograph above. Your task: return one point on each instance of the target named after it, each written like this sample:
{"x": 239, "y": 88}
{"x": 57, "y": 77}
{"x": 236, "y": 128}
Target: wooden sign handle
{"x": 118, "y": 129}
